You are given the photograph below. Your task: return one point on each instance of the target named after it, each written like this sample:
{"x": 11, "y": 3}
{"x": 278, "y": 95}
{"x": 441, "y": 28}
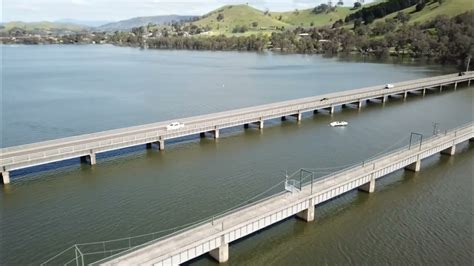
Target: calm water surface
{"x": 58, "y": 91}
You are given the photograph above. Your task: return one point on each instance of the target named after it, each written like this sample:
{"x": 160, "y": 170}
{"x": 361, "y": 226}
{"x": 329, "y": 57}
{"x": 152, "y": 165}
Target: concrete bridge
{"x": 214, "y": 236}
{"x": 87, "y": 146}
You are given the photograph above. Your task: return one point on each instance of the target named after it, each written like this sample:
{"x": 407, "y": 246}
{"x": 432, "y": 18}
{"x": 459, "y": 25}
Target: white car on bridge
{"x": 174, "y": 126}
{"x": 389, "y": 86}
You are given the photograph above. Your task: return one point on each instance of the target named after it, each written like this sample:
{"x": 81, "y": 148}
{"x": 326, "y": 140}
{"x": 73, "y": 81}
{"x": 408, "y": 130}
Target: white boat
{"x": 339, "y": 124}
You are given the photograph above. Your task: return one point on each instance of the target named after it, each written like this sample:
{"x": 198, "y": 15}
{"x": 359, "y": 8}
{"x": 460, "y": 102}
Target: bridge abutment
{"x": 368, "y": 187}
{"x": 449, "y": 151}
{"x": 221, "y": 254}
{"x": 308, "y": 214}
{"x": 6, "y": 177}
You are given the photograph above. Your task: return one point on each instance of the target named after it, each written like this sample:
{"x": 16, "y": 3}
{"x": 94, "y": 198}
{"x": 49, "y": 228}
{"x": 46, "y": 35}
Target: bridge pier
{"x": 415, "y": 167}
{"x": 455, "y": 85}
{"x": 308, "y": 214}
{"x": 368, "y": 187}
{"x": 424, "y": 91}
{"x": 260, "y": 124}
{"x": 298, "y": 116}
{"x": 221, "y": 254}
{"x": 216, "y": 133}
{"x": 90, "y": 159}
{"x": 161, "y": 144}
{"x": 6, "y": 177}
{"x": 440, "y": 88}
{"x": 469, "y": 83}
{"x": 330, "y": 109}
{"x": 449, "y": 151}
{"x": 405, "y": 95}
{"x": 383, "y": 99}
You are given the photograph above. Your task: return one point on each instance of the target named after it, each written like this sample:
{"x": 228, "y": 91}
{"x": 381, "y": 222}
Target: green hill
{"x": 234, "y": 16}
{"x": 43, "y": 26}
{"x": 449, "y": 8}
{"x": 224, "y": 20}
{"x": 307, "y": 18}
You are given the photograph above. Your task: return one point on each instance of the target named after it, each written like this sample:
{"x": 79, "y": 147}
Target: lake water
{"x": 57, "y": 91}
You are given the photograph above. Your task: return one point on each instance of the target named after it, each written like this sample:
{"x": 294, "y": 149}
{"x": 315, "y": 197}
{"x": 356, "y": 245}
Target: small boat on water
{"x": 339, "y": 124}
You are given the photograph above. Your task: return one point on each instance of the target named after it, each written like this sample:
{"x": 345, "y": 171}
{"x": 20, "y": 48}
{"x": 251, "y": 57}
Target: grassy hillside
{"x": 450, "y": 8}
{"x": 44, "y": 25}
{"x": 239, "y": 15}
{"x": 306, "y": 18}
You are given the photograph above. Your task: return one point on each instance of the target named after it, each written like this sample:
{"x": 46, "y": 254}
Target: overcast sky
{"x": 112, "y": 10}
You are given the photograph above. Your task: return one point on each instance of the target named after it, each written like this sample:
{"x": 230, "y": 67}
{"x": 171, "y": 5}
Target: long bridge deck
{"x": 87, "y": 146}
{"x": 214, "y": 236}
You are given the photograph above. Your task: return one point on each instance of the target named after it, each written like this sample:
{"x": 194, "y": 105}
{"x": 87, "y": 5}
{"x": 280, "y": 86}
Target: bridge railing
{"x": 144, "y": 134}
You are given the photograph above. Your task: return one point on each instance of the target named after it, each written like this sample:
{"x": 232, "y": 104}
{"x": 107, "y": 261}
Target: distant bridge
{"x": 87, "y": 146}
{"x": 299, "y": 198}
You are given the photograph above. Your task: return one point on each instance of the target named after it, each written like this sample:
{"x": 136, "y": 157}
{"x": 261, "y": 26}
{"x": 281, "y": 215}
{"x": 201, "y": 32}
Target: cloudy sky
{"x": 111, "y": 10}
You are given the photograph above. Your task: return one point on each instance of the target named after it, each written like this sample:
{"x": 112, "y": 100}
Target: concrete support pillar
{"x": 469, "y": 83}
{"x": 308, "y": 214}
{"x": 455, "y": 85}
{"x": 440, "y": 88}
{"x": 216, "y": 133}
{"x": 449, "y": 151}
{"x": 424, "y": 92}
{"x": 330, "y": 109}
{"x": 221, "y": 254}
{"x": 405, "y": 95}
{"x": 369, "y": 187}
{"x": 415, "y": 167}
{"x": 6, "y": 177}
{"x": 92, "y": 159}
{"x": 260, "y": 124}
{"x": 298, "y": 116}
{"x": 161, "y": 145}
